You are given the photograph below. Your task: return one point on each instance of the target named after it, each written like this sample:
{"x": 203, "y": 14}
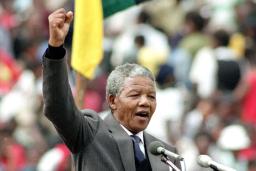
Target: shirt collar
{"x": 140, "y": 134}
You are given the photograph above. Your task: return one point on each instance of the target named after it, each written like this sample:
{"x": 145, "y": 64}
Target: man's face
{"x": 134, "y": 106}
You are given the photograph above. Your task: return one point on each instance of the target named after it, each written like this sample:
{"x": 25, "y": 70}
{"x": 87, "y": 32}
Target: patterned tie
{"x": 138, "y": 153}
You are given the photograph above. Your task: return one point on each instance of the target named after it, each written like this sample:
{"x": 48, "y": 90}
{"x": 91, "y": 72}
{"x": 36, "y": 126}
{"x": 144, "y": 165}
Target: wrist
{"x": 55, "y": 52}
{"x": 55, "y": 43}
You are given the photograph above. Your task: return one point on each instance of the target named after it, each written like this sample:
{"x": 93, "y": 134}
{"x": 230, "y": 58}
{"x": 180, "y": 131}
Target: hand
{"x": 59, "y": 22}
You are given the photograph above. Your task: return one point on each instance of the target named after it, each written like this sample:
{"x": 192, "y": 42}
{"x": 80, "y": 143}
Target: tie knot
{"x": 135, "y": 138}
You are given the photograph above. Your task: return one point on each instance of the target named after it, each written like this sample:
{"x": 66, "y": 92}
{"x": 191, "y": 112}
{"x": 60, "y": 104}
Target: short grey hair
{"x": 117, "y": 77}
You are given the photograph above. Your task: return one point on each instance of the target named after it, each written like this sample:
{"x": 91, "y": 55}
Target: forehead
{"x": 138, "y": 83}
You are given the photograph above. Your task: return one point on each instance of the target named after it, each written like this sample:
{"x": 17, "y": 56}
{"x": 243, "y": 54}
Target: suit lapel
{"x": 124, "y": 143}
{"x": 155, "y": 161}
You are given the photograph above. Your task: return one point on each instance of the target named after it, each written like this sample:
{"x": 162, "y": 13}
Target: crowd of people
{"x": 201, "y": 52}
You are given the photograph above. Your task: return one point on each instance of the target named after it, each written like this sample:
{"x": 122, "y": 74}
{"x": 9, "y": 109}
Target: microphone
{"x": 157, "y": 148}
{"x": 206, "y": 161}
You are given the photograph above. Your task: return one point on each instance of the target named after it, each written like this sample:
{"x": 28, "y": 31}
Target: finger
{"x": 55, "y": 16}
{"x": 61, "y": 10}
{"x": 57, "y": 13}
{"x": 69, "y": 17}
{"x": 60, "y": 22}
{"x": 60, "y": 15}
{"x": 57, "y": 23}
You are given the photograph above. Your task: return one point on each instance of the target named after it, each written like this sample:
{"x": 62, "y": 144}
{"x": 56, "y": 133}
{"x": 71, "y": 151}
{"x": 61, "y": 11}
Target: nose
{"x": 144, "y": 101}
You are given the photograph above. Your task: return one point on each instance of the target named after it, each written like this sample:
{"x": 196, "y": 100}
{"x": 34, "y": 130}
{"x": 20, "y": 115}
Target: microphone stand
{"x": 167, "y": 161}
{"x": 214, "y": 168}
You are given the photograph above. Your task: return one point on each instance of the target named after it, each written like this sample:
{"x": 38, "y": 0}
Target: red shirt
{"x": 249, "y": 102}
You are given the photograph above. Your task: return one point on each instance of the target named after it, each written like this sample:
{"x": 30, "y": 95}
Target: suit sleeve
{"x": 75, "y": 128}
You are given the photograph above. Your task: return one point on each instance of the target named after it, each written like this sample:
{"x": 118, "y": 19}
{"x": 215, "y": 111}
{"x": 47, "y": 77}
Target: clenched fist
{"x": 59, "y": 22}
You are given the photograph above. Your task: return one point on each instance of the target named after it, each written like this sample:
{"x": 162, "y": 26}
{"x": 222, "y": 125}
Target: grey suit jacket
{"x": 96, "y": 144}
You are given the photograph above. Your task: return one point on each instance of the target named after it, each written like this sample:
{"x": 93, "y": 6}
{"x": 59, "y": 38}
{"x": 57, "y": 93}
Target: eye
{"x": 134, "y": 95}
{"x": 152, "y": 97}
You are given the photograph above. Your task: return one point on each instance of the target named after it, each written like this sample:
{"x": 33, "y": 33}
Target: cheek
{"x": 129, "y": 105}
{"x": 153, "y": 107}
{"x": 126, "y": 109}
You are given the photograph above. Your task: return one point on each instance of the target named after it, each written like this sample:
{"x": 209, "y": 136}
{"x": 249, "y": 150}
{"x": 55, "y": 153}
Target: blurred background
{"x": 202, "y": 53}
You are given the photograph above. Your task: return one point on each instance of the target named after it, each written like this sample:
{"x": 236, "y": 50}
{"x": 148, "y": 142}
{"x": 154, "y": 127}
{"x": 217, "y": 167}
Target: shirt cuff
{"x": 55, "y": 52}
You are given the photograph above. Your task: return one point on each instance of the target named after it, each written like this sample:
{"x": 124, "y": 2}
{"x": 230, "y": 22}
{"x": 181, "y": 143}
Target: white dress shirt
{"x": 140, "y": 134}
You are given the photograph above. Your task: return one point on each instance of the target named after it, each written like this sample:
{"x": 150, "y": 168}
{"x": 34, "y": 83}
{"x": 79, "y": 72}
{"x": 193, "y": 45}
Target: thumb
{"x": 69, "y": 17}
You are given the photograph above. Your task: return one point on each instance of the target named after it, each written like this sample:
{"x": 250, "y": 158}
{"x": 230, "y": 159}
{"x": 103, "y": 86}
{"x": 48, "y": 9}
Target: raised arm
{"x": 75, "y": 129}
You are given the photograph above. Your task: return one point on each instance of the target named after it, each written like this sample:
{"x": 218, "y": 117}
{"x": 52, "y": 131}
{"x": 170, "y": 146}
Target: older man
{"x": 117, "y": 143}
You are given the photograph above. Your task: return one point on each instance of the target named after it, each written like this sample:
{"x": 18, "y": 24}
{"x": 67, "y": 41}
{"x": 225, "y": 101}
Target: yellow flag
{"x": 87, "y": 37}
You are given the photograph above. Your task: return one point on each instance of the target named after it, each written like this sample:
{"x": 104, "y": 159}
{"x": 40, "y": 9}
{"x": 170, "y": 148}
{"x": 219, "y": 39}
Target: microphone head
{"x": 204, "y": 160}
{"x": 154, "y": 146}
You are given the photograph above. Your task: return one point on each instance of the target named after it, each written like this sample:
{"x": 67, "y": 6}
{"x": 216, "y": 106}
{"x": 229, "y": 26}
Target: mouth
{"x": 143, "y": 114}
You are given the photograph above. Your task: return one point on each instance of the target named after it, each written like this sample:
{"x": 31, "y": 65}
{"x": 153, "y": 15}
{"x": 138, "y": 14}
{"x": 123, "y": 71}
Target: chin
{"x": 139, "y": 129}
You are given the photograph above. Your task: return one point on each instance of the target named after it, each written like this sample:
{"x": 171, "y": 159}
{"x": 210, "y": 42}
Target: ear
{"x": 111, "y": 99}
